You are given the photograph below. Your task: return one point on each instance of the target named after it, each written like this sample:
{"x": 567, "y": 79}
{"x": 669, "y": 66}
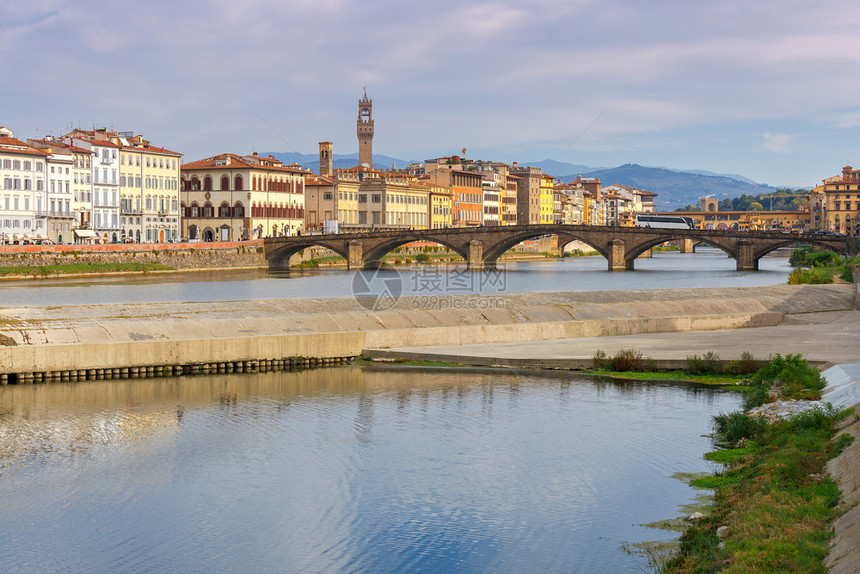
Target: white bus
{"x": 665, "y": 222}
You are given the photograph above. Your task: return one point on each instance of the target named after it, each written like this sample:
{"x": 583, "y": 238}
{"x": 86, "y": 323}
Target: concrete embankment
{"x": 56, "y": 339}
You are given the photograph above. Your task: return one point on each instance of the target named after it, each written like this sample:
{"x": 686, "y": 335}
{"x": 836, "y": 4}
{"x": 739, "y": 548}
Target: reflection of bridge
{"x": 482, "y": 246}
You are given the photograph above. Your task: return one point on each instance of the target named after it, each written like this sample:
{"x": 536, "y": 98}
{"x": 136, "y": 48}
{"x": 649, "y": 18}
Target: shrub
{"x": 598, "y": 359}
{"x": 422, "y": 258}
{"x": 745, "y": 365}
{"x": 707, "y": 364}
{"x": 628, "y": 360}
{"x": 816, "y": 276}
{"x": 736, "y": 426}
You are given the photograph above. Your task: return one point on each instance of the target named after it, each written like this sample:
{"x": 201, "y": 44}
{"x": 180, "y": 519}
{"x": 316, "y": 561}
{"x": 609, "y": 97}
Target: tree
{"x": 756, "y": 206}
{"x": 726, "y": 205}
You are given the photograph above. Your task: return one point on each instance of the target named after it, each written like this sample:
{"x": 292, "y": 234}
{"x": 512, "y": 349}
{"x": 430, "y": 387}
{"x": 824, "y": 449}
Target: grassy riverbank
{"x": 820, "y": 267}
{"x": 774, "y": 505}
{"x": 81, "y": 269}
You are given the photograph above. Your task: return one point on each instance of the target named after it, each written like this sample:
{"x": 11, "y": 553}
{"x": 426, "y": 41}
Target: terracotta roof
{"x": 236, "y": 162}
{"x": 61, "y": 145}
{"x": 14, "y": 145}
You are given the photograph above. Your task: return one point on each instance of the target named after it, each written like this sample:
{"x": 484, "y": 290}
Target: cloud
{"x": 777, "y": 142}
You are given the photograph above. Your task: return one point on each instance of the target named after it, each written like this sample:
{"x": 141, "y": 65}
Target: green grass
{"x": 671, "y": 376}
{"x": 773, "y": 495}
{"x": 81, "y": 269}
{"x": 408, "y": 362}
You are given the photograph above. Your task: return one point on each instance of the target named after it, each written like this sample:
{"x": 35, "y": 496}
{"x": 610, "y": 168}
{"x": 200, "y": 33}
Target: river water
{"x": 706, "y": 268}
{"x": 373, "y": 469}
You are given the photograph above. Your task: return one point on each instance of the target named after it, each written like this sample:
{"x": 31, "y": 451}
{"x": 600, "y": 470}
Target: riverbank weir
{"x": 36, "y": 343}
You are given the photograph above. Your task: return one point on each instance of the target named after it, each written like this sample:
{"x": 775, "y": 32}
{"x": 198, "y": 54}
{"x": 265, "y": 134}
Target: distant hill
{"x": 675, "y": 188}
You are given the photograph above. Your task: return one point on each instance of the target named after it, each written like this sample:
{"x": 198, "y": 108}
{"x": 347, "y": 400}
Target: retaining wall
{"x": 184, "y": 256}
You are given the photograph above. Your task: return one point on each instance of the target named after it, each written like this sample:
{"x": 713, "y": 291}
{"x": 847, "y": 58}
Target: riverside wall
{"x": 35, "y": 341}
{"x": 180, "y": 256}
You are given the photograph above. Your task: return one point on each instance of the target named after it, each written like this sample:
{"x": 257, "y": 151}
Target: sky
{"x": 769, "y": 89}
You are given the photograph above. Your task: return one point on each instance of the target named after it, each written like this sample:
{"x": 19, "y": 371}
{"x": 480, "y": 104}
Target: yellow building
{"x": 839, "y": 205}
{"x": 547, "y": 190}
{"x": 149, "y": 191}
{"x": 229, "y": 197}
{"x": 441, "y": 210}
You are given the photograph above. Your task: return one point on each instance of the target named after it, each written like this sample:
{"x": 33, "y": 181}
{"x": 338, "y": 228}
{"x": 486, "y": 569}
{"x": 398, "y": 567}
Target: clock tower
{"x": 365, "y": 131}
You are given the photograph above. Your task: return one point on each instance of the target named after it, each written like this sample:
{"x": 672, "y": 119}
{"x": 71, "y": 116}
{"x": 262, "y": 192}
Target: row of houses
{"x": 105, "y": 186}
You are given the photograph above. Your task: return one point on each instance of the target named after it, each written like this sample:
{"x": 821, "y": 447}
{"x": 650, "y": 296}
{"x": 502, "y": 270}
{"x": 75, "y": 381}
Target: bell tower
{"x": 326, "y": 160}
{"x": 365, "y": 130}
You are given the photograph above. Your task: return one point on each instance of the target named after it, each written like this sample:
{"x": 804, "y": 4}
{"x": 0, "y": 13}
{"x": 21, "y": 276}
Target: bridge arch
{"x": 808, "y": 240}
{"x": 726, "y": 246}
{"x": 280, "y": 257}
{"x": 373, "y": 256}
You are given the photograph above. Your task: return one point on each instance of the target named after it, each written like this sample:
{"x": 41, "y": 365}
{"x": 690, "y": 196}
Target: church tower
{"x": 326, "y": 160}
{"x": 365, "y": 131}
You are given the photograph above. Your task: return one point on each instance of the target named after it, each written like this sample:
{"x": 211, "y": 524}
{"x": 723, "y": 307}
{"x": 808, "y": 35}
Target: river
{"x": 353, "y": 469}
{"x": 706, "y": 268}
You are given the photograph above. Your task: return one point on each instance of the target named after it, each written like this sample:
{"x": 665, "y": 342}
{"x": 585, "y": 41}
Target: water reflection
{"x": 344, "y": 470}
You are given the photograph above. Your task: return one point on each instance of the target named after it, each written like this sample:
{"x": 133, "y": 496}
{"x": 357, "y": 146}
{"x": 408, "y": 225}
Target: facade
{"x": 528, "y": 194}
{"x": 60, "y": 218}
{"x": 838, "y": 204}
{"x": 81, "y": 193}
{"x": 228, "y": 197}
{"x": 467, "y": 194}
{"x": 135, "y": 187}
{"x": 364, "y": 130}
{"x": 149, "y": 192}
{"x": 441, "y": 207}
{"x": 492, "y": 203}
{"x": 22, "y": 195}
{"x": 547, "y": 200}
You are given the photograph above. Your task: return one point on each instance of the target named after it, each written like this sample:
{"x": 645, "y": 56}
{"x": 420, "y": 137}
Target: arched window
{"x": 195, "y": 210}
{"x": 224, "y": 210}
{"x": 238, "y": 210}
{"x": 183, "y": 210}
{"x": 195, "y": 183}
{"x": 238, "y": 183}
{"x": 225, "y": 183}
{"x": 207, "y": 183}
{"x": 207, "y": 209}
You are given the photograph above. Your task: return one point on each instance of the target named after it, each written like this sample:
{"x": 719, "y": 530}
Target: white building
{"x": 105, "y": 182}
{"x": 22, "y": 185}
{"x": 67, "y": 207}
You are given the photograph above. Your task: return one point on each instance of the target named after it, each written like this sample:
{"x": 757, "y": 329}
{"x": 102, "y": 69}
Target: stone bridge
{"x": 482, "y": 246}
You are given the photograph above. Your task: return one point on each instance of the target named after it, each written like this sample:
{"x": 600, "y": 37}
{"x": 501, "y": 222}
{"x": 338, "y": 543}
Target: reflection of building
{"x": 835, "y": 205}
{"x": 229, "y": 197}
